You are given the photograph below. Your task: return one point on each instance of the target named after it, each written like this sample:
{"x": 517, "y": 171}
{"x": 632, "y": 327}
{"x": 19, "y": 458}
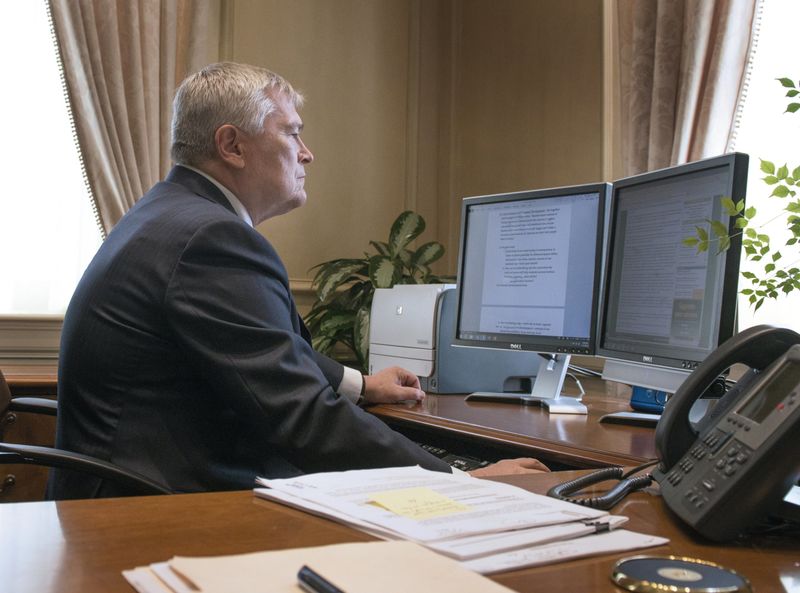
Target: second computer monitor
{"x": 666, "y": 306}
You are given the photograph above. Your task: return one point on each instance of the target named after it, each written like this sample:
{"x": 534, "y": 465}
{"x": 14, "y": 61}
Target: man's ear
{"x": 228, "y": 139}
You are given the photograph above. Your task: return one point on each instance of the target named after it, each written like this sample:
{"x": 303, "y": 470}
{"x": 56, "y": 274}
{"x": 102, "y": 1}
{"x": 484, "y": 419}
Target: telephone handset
{"x": 735, "y": 468}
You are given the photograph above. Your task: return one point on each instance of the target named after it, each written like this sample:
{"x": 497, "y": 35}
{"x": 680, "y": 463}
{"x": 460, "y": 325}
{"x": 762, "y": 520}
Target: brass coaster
{"x": 658, "y": 574}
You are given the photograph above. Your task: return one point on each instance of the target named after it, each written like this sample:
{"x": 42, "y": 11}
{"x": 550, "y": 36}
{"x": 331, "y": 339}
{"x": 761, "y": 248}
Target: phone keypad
{"x": 735, "y": 457}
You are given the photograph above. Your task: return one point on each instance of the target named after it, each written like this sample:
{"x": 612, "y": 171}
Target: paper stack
{"x": 388, "y": 567}
{"x": 487, "y": 526}
{"x": 466, "y": 525}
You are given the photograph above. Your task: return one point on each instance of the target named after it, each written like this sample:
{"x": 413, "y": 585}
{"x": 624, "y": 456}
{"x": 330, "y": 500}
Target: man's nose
{"x": 306, "y": 156}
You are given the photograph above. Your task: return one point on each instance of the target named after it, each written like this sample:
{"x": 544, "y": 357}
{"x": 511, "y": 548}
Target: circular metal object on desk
{"x": 674, "y": 574}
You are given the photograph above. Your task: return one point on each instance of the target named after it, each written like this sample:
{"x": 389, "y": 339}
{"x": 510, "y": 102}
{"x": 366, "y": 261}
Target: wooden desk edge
{"x": 563, "y": 452}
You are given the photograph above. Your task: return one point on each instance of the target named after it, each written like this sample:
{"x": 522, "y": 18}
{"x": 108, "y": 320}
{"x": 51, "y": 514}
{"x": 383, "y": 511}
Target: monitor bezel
{"x": 737, "y": 189}
{"x": 524, "y": 342}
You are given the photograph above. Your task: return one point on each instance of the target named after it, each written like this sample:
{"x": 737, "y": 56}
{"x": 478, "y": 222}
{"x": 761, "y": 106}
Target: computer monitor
{"x": 666, "y": 306}
{"x": 529, "y": 272}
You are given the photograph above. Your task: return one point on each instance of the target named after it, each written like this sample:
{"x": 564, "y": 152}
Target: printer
{"x": 413, "y": 326}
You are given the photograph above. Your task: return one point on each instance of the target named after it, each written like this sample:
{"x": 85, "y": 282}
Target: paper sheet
{"x": 494, "y": 507}
{"x": 387, "y": 567}
{"x": 466, "y": 548}
{"x": 620, "y": 540}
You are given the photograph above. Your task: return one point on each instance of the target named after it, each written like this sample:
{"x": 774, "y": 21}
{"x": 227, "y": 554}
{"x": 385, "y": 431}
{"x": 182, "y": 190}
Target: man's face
{"x": 275, "y": 159}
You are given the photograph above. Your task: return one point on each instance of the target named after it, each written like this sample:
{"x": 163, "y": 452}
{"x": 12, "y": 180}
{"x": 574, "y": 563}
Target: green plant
{"x": 776, "y": 277}
{"x": 344, "y": 287}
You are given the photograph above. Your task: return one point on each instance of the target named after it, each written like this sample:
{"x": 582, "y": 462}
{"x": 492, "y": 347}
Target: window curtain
{"x": 122, "y": 62}
{"x": 681, "y": 69}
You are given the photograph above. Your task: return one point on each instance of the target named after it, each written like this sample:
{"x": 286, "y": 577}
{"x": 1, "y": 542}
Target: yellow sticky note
{"x": 417, "y": 503}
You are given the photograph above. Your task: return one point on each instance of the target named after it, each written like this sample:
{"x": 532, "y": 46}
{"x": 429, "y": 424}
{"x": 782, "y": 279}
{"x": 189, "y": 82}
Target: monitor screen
{"x": 529, "y": 269}
{"x": 665, "y": 305}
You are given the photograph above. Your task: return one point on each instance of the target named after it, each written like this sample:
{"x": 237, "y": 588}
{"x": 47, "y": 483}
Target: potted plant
{"x": 345, "y": 286}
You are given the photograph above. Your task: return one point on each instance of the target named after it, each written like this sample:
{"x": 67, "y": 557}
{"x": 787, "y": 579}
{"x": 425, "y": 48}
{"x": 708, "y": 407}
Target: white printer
{"x": 413, "y": 326}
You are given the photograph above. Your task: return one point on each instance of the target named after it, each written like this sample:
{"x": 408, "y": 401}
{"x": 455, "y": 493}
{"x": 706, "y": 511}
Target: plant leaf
{"x": 383, "y": 272}
{"x": 338, "y": 275}
{"x": 701, "y": 233}
{"x": 406, "y": 257}
{"x": 786, "y": 82}
{"x": 767, "y": 167}
{"x": 780, "y": 191}
{"x": 381, "y": 247}
{"x": 428, "y": 253}
{"x": 719, "y": 229}
{"x": 323, "y": 344}
{"x": 336, "y": 322}
{"x": 729, "y": 206}
{"x": 361, "y": 337}
{"x": 405, "y": 229}
{"x": 792, "y": 107}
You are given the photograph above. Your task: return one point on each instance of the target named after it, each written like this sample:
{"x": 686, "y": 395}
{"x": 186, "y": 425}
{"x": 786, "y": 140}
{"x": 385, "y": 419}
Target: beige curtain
{"x": 681, "y": 68}
{"x": 122, "y": 62}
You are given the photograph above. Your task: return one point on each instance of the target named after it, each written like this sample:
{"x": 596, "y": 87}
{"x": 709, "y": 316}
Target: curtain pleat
{"x": 122, "y": 62}
{"x": 682, "y": 66}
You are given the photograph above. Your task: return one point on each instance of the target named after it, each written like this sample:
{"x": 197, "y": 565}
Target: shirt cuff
{"x": 350, "y": 387}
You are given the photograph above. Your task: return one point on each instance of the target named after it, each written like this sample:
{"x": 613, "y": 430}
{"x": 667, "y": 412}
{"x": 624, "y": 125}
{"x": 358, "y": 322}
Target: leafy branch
{"x": 775, "y": 278}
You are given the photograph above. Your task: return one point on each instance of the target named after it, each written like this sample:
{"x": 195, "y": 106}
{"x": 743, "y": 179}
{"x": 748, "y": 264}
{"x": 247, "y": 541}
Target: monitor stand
{"x": 545, "y": 391}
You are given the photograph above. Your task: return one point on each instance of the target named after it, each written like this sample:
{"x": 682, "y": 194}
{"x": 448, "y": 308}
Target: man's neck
{"x": 240, "y": 209}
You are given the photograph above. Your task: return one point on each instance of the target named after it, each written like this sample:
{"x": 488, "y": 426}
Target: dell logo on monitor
{"x": 647, "y": 358}
{"x": 515, "y": 346}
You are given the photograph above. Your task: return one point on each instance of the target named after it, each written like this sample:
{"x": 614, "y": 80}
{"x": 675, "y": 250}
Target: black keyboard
{"x": 462, "y": 462}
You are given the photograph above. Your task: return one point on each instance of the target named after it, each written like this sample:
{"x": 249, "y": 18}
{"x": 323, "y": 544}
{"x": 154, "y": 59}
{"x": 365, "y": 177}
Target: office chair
{"x": 13, "y": 453}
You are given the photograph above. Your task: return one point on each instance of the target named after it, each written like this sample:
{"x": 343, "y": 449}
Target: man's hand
{"x": 392, "y": 385}
{"x": 504, "y": 467}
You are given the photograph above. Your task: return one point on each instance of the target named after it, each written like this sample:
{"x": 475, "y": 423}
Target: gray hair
{"x": 219, "y": 94}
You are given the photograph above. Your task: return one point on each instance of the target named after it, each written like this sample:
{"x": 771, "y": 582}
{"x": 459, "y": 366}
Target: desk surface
{"x": 576, "y": 441}
{"x": 31, "y": 379}
{"x": 82, "y": 546}
{"x": 572, "y": 439}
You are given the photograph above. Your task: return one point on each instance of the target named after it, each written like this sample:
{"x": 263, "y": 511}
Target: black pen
{"x": 314, "y": 583}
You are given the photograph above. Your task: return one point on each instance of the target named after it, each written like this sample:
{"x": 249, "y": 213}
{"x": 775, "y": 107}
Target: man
{"x": 183, "y": 357}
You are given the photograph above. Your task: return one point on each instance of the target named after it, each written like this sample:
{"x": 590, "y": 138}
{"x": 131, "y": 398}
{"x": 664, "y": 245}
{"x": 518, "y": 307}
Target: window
{"x": 48, "y": 229}
{"x": 767, "y": 132}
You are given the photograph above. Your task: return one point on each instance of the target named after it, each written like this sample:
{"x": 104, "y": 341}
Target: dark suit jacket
{"x": 183, "y": 358}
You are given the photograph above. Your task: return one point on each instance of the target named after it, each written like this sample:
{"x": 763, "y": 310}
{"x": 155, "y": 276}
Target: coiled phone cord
{"x": 627, "y": 484}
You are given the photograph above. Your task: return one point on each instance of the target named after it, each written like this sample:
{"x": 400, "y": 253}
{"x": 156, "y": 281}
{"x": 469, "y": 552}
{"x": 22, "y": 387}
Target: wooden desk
{"x": 82, "y": 546}
{"x": 486, "y": 430}
{"x": 31, "y": 379}
{"x": 495, "y": 430}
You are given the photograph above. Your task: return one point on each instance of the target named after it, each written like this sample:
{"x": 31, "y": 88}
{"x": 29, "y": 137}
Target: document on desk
{"x": 488, "y": 525}
{"x": 452, "y": 505}
{"x": 354, "y": 568}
